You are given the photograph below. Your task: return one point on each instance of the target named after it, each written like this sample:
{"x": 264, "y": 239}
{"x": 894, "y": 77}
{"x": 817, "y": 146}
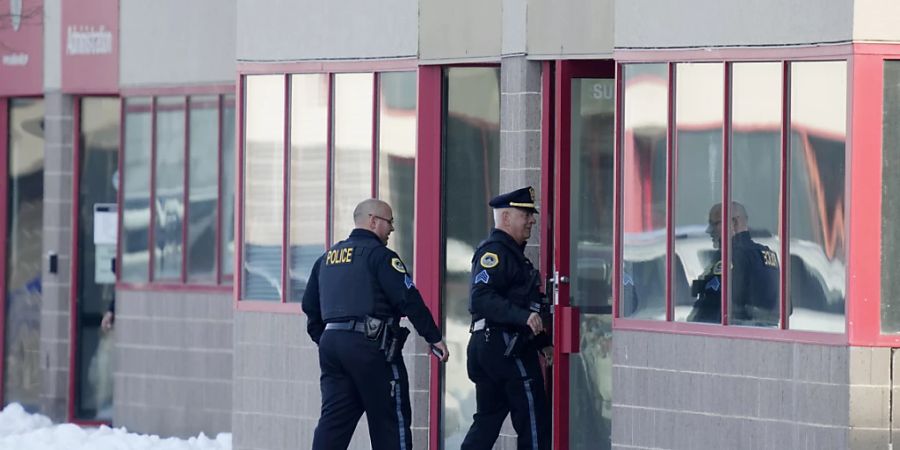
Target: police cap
{"x": 520, "y": 198}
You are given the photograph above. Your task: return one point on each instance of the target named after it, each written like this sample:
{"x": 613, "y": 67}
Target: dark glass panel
{"x": 471, "y": 176}
{"x": 22, "y": 366}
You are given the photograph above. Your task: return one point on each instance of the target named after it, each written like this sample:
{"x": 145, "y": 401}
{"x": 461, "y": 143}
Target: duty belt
{"x": 350, "y": 325}
{"x": 481, "y": 324}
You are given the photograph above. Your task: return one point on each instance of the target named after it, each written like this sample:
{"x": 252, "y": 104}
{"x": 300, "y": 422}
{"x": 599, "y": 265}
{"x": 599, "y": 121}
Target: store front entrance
{"x": 580, "y": 262}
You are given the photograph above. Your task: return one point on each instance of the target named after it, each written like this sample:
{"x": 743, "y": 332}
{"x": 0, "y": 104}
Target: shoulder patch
{"x": 489, "y": 260}
{"x": 398, "y": 265}
{"x": 482, "y": 277}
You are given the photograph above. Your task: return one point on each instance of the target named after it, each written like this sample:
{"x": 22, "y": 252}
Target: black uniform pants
{"x": 355, "y": 379}
{"x": 506, "y": 386}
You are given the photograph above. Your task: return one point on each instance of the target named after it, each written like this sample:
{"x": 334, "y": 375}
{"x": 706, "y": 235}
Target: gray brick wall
{"x": 173, "y": 374}
{"x": 57, "y": 237}
{"x": 693, "y": 392}
{"x": 520, "y": 155}
{"x": 276, "y": 385}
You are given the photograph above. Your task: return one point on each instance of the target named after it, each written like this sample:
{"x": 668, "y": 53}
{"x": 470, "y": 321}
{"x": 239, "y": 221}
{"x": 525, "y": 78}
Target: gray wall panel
{"x": 173, "y": 373}
{"x": 173, "y": 42}
{"x": 570, "y": 29}
{"x": 876, "y": 20}
{"x": 276, "y": 384}
{"x": 704, "y": 23}
{"x": 52, "y": 45}
{"x": 460, "y": 30}
{"x": 770, "y": 394}
{"x": 283, "y": 30}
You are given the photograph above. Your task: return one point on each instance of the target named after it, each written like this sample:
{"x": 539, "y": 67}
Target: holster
{"x": 393, "y": 341}
{"x": 374, "y": 328}
{"x": 517, "y": 344}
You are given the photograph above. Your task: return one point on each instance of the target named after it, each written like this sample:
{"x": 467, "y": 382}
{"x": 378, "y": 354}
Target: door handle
{"x": 568, "y": 324}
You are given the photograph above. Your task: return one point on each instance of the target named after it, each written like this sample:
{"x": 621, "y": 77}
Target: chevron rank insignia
{"x": 482, "y": 277}
{"x": 398, "y": 265}
{"x": 489, "y": 260}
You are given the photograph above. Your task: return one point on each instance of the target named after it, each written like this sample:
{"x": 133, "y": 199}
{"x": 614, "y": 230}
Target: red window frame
{"x": 862, "y": 186}
{"x": 220, "y": 282}
{"x": 286, "y": 70}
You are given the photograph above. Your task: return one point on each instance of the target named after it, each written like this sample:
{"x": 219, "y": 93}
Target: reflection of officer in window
{"x": 357, "y": 292}
{"x": 507, "y": 331}
{"x": 754, "y": 276}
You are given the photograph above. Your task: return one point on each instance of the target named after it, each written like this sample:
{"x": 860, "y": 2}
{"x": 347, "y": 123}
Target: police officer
{"x": 507, "y": 331}
{"x": 754, "y": 275}
{"x": 356, "y": 294}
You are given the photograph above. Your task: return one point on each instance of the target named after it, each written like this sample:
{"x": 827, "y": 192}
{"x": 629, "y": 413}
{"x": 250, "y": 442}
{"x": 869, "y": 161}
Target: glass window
{"x": 263, "y": 186}
{"x": 754, "y": 285}
{"x": 309, "y": 141}
{"x": 397, "y": 156}
{"x": 228, "y": 185}
{"x": 471, "y": 178}
{"x": 352, "y": 171}
{"x": 818, "y": 134}
{"x": 890, "y": 223}
{"x": 22, "y": 344}
{"x": 203, "y": 192}
{"x": 696, "y": 264}
{"x": 135, "y": 233}
{"x": 169, "y": 188}
{"x": 644, "y": 190}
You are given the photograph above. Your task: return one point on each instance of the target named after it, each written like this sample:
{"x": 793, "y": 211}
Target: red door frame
{"x": 4, "y": 219}
{"x": 565, "y": 318}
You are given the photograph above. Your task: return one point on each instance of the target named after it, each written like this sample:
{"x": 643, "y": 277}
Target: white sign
{"x": 104, "y": 254}
{"x": 106, "y": 224}
{"x": 88, "y": 40}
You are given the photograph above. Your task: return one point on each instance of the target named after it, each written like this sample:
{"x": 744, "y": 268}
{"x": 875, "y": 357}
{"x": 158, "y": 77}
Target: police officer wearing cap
{"x": 356, "y": 294}
{"x": 507, "y": 331}
{"x": 754, "y": 281}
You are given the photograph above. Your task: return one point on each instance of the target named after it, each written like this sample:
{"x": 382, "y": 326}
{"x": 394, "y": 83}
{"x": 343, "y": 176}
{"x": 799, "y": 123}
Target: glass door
{"x": 96, "y": 238}
{"x": 583, "y": 253}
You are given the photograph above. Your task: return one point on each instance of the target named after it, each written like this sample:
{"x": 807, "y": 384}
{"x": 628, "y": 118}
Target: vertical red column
{"x": 428, "y": 220}
{"x": 865, "y": 81}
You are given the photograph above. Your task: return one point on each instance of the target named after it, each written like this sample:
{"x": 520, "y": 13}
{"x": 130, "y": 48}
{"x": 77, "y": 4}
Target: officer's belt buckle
{"x": 478, "y": 325}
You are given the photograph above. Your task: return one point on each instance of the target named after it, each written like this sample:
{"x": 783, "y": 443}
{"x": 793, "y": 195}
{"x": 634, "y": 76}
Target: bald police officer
{"x": 356, "y": 294}
{"x": 507, "y": 331}
{"x": 754, "y": 278}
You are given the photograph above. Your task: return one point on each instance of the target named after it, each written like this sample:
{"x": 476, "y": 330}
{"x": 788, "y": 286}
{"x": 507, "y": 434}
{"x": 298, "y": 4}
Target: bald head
{"x": 369, "y": 207}
{"x": 739, "y": 221}
{"x": 376, "y": 216}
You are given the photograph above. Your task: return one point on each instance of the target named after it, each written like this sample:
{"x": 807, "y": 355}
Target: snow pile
{"x": 22, "y": 431}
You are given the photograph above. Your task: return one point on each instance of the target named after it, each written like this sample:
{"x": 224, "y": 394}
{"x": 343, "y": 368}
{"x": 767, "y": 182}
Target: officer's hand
{"x": 106, "y": 323}
{"x": 548, "y": 354}
{"x": 535, "y": 323}
{"x": 440, "y": 350}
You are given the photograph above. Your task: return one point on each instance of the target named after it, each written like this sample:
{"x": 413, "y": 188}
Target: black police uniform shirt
{"x": 504, "y": 284}
{"x": 360, "y": 276}
{"x": 754, "y": 284}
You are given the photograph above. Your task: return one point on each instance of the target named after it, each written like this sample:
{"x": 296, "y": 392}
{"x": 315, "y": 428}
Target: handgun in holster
{"x": 393, "y": 341}
{"x": 517, "y": 344}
